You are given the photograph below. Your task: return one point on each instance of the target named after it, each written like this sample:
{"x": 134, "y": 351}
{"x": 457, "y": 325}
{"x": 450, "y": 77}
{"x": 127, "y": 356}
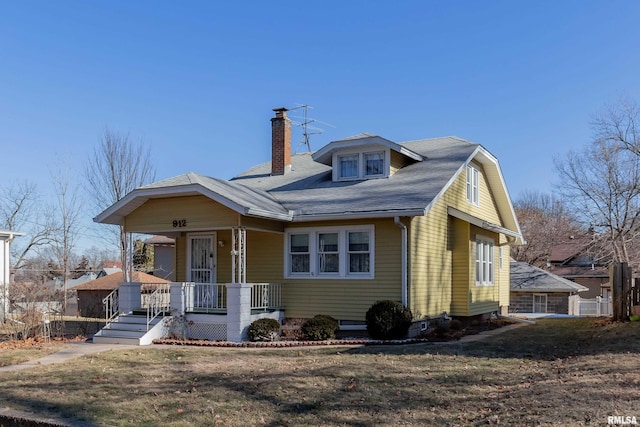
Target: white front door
{"x": 202, "y": 258}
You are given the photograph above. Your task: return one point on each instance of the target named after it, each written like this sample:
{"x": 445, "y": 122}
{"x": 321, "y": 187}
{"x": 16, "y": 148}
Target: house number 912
{"x": 179, "y": 223}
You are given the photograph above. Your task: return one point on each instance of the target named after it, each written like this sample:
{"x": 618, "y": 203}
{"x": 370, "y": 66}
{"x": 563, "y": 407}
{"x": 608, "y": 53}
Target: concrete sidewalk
{"x": 71, "y": 351}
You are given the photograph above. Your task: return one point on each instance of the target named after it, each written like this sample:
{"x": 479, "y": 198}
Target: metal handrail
{"x": 157, "y": 303}
{"x": 111, "y": 306}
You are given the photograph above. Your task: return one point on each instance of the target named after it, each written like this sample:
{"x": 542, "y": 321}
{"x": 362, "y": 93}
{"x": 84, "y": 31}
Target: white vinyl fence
{"x": 596, "y": 307}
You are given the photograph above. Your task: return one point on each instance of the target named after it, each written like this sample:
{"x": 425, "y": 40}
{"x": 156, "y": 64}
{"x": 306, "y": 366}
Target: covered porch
{"x": 198, "y": 305}
{"x": 217, "y": 312}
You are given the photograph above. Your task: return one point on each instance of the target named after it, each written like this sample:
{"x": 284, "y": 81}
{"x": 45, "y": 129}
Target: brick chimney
{"x": 280, "y": 142}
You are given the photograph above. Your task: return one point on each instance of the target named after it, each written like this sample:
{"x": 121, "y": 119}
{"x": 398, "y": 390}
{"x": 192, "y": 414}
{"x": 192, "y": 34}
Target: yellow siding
{"x": 397, "y": 161}
{"x": 198, "y": 212}
{"x": 462, "y": 274}
{"x": 262, "y": 224}
{"x": 349, "y": 299}
{"x": 442, "y": 256}
{"x": 487, "y": 208}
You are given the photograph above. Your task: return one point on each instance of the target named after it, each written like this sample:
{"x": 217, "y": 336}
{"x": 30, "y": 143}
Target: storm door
{"x": 202, "y": 258}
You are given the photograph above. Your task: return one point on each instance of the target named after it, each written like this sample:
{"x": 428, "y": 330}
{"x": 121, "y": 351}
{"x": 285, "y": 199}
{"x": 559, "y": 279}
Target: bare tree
{"x": 602, "y": 181}
{"x": 69, "y": 222}
{"x": 118, "y": 166}
{"x": 21, "y": 209}
{"x": 618, "y": 125}
{"x": 546, "y": 222}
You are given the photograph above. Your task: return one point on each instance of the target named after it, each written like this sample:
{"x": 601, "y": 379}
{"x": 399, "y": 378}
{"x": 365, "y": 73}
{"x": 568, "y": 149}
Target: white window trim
{"x": 314, "y": 269}
{"x": 473, "y": 185}
{"x": 361, "y": 164}
{"x": 533, "y": 303}
{"x": 483, "y": 240}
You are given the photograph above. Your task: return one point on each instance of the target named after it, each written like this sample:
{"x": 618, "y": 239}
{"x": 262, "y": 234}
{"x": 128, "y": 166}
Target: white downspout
{"x": 403, "y": 227}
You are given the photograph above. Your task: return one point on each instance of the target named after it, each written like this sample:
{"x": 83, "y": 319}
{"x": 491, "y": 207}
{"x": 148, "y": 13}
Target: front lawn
{"x": 557, "y": 372}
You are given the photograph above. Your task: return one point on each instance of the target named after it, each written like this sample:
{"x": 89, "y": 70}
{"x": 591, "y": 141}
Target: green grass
{"x": 557, "y": 372}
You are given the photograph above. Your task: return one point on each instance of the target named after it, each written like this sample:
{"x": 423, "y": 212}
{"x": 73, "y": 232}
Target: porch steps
{"x": 131, "y": 329}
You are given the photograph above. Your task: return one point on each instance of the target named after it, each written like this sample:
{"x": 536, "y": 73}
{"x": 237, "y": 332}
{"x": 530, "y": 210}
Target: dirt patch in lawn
{"x": 557, "y": 372}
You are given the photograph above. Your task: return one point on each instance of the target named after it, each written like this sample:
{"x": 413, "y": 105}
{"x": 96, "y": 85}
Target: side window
{"x": 484, "y": 262}
{"x": 473, "y": 185}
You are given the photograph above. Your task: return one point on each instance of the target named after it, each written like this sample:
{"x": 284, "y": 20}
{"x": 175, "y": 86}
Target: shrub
{"x": 455, "y": 325}
{"x": 264, "y": 330}
{"x": 388, "y": 320}
{"x": 320, "y": 327}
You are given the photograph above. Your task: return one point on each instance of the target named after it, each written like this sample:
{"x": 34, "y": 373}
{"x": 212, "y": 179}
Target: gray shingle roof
{"x": 526, "y": 277}
{"x": 308, "y": 189}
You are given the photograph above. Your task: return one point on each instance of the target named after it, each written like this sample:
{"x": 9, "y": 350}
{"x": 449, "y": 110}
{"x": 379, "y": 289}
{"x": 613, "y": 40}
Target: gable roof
{"x": 308, "y": 193}
{"x": 527, "y": 278}
{"x": 112, "y": 281}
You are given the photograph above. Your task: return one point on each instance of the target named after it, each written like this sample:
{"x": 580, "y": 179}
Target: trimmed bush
{"x": 264, "y": 330}
{"x": 320, "y": 327}
{"x": 388, "y": 320}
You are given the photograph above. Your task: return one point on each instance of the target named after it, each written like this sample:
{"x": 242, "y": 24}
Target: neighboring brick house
{"x": 534, "y": 290}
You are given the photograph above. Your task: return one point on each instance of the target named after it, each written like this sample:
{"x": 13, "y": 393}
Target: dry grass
{"x": 558, "y": 372}
{"x": 20, "y": 351}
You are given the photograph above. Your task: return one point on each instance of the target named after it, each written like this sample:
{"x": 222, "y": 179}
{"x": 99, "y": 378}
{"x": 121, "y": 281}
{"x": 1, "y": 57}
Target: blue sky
{"x": 197, "y": 80}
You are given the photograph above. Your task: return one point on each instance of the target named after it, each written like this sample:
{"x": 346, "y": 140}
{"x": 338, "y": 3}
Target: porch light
{"x": 221, "y": 243}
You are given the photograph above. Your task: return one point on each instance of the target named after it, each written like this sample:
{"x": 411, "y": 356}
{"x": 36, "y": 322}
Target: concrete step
{"x": 115, "y": 340}
{"x": 124, "y": 333}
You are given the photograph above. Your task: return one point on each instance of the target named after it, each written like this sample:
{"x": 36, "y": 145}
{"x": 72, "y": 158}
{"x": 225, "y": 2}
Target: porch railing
{"x": 266, "y": 296}
{"x": 111, "y": 306}
{"x": 212, "y": 298}
{"x": 206, "y": 297}
{"x": 157, "y": 302}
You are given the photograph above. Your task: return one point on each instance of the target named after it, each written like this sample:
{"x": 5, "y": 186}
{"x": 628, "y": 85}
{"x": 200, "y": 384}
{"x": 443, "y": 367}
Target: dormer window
{"x": 374, "y": 164}
{"x": 348, "y": 166}
{"x": 365, "y": 156}
{"x": 362, "y": 165}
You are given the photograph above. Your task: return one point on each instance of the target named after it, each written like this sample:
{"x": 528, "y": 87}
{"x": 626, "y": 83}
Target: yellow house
{"x": 428, "y": 223}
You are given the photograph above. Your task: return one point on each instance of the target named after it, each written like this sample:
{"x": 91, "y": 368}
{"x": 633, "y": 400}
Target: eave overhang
{"x": 485, "y": 225}
{"x": 116, "y": 212}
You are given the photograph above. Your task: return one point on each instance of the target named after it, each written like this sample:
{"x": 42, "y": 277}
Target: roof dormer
{"x": 364, "y": 156}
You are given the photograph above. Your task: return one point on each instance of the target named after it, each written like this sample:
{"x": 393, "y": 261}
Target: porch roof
{"x": 240, "y": 198}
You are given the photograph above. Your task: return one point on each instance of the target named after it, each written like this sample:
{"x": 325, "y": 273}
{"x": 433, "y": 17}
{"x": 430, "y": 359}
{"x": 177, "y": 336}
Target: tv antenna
{"x": 307, "y": 128}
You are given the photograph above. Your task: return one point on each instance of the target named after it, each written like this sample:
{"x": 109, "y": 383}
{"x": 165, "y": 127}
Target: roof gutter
{"x": 403, "y": 229}
{"x": 298, "y": 217}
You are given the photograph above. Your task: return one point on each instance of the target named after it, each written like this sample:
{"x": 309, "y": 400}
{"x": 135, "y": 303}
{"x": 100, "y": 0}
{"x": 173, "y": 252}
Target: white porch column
{"x": 129, "y": 297}
{"x": 239, "y": 255}
{"x": 238, "y": 311}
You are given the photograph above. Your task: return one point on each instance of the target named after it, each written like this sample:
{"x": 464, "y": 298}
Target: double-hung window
{"x": 299, "y": 253}
{"x": 330, "y": 252}
{"x": 473, "y": 185}
{"x": 484, "y": 262}
{"x": 374, "y": 164}
{"x": 348, "y": 166}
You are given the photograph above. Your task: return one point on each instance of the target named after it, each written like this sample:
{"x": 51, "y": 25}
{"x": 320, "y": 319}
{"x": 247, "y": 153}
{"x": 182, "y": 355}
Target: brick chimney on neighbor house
{"x": 280, "y": 142}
